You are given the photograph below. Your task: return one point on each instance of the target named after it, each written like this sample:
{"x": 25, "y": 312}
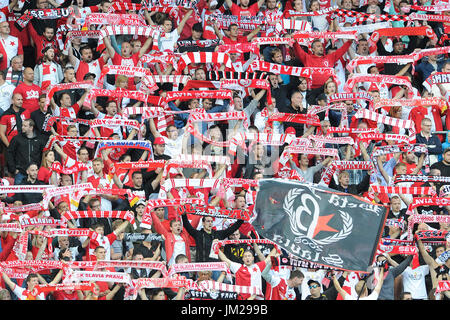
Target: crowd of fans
{"x": 47, "y": 139}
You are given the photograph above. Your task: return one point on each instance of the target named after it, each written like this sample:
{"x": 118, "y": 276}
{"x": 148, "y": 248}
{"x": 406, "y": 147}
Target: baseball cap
{"x": 310, "y": 282}
{"x": 140, "y": 202}
{"x": 290, "y": 130}
{"x": 159, "y": 140}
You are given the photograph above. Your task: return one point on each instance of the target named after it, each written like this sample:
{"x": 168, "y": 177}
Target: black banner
{"x": 318, "y": 224}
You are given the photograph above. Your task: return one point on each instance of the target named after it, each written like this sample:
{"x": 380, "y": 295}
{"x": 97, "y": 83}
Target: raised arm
{"x": 183, "y": 21}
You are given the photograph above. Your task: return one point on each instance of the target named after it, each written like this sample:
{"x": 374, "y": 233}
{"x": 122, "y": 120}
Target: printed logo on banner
{"x": 307, "y": 223}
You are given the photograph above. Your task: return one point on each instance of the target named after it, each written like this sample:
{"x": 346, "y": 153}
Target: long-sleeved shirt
{"x": 326, "y": 61}
{"x": 387, "y": 290}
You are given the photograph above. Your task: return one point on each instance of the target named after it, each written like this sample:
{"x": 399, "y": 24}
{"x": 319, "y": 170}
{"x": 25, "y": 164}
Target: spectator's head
{"x": 295, "y": 278}
{"x": 126, "y": 49}
{"x": 62, "y": 207}
{"x": 248, "y": 258}
{"x": 48, "y": 33}
{"x": 330, "y": 87}
{"x": 42, "y": 4}
{"x": 167, "y": 25}
{"x": 95, "y": 204}
{"x": 276, "y": 55}
{"x": 207, "y": 103}
{"x": 72, "y": 130}
{"x": 297, "y": 5}
{"x": 65, "y": 101}
{"x": 28, "y": 127}
{"x": 89, "y": 76}
{"x": 105, "y": 5}
{"x": 314, "y": 288}
{"x": 99, "y": 228}
{"x": 5, "y": 295}
{"x": 49, "y": 53}
{"x": 32, "y": 280}
{"x": 244, "y": 4}
{"x": 317, "y": 47}
{"x": 238, "y": 103}
{"x": 396, "y": 203}
{"x": 48, "y": 157}
{"x": 159, "y": 146}
{"x": 100, "y": 253}
{"x": 426, "y": 125}
{"x": 158, "y": 294}
{"x": 66, "y": 180}
{"x": 176, "y": 227}
{"x": 172, "y": 132}
{"x": 137, "y": 179}
{"x": 200, "y": 74}
{"x": 373, "y": 70}
{"x": 297, "y": 100}
{"x": 193, "y": 104}
{"x": 234, "y": 29}
{"x": 5, "y": 30}
{"x": 121, "y": 81}
{"x": 69, "y": 74}
{"x": 17, "y": 63}
{"x": 239, "y": 201}
{"x": 362, "y": 48}
{"x": 204, "y": 276}
{"x": 344, "y": 178}
{"x": 115, "y": 225}
{"x": 271, "y": 4}
{"x": 446, "y": 66}
{"x": 181, "y": 258}
{"x": 398, "y": 45}
{"x": 324, "y": 126}
{"x": 400, "y": 168}
{"x": 446, "y": 156}
{"x": 160, "y": 212}
{"x": 28, "y": 75}
{"x": 302, "y": 84}
{"x": 86, "y": 53}
{"x": 32, "y": 172}
{"x": 235, "y": 235}
{"x": 197, "y": 31}
{"x": 83, "y": 154}
{"x": 111, "y": 108}
{"x": 136, "y": 45}
{"x": 97, "y": 166}
{"x": 207, "y": 223}
{"x": 406, "y": 296}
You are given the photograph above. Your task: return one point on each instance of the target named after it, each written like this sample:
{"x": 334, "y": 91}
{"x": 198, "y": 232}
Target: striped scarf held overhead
{"x": 217, "y": 58}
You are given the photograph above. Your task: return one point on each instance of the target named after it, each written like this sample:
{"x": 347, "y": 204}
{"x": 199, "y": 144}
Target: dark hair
{"x": 296, "y": 274}
{"x": 197, "y": 27}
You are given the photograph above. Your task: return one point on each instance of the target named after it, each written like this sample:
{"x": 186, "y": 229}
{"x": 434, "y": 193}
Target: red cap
{"x": 290, "y": 130}
{"x": 159, "y": 140}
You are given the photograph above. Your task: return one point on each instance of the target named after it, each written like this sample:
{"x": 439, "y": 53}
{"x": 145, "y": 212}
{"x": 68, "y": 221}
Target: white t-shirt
{"x": 372, "y": 296}
{"x": 173, "y": 147}
{"x": 178, "y": 248}
{"x": 6, "y": 92}
{"x": 414, "y": 281}
{"x": 169, "y": 41}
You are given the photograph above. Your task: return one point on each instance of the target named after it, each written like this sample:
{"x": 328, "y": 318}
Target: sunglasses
{"x": 313, "y": 286}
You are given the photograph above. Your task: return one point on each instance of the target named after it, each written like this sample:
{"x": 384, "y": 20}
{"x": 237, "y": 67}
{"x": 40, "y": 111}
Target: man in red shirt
{"x": 47, "y": 39}
{"x": 66, "y": 110}
{"x": 318, "y": 58}
{"x": 29, "y": 91}
{"x": 11, "y": 119}
{"x": 243, "y": 9}
{"x": 233, "y": 34}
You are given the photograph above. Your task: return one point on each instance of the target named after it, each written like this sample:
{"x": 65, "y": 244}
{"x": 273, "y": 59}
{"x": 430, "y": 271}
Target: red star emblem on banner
{"x": 322, "y": 225}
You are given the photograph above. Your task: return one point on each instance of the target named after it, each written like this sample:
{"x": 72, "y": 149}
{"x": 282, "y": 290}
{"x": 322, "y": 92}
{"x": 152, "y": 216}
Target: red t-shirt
{"x": 250, "y": 11}
{"x": 9, "y": 120}
{"x": 30, "y": 95}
